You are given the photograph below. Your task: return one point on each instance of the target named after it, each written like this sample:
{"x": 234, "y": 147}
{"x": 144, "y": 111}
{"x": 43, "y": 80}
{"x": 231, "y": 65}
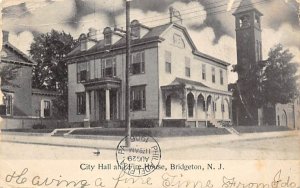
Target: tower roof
{"x": 246, "y": 5}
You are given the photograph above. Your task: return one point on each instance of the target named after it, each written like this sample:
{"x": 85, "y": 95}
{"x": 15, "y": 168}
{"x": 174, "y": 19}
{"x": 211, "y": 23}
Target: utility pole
{"x": 127, "y": 72}
{"x": 127, "y": 90}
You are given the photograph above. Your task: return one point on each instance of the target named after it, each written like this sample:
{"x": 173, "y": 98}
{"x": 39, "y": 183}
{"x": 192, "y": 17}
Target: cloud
{"x": 285, "y": 35}
{"x": 22, "y": 40}
{"x": 40, "y": 16}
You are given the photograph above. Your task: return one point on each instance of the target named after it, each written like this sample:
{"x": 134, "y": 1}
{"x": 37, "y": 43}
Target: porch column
{"x": 205, "y": 110}
{"x": 184, "y": 104}
{"x": 223, "y": 108}
{"x": 87, "y": 119}
{"x": 230, "y": 109}
{"x": 107, "y": 104}
{"x": 196, "y": 110}
{"x": 117, "y": 104}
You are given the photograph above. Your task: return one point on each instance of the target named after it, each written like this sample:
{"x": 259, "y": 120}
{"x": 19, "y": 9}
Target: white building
{"x": 171, "y": 82}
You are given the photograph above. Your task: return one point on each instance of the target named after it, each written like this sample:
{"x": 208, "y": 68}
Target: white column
{"x": 196, "y": 109}
{"x": 87, "y": 109}
{"x": 117, "y": 103}
{"x": 107, "y": 104}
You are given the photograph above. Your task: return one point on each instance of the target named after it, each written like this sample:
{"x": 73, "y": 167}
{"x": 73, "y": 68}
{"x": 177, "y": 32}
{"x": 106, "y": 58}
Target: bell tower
{"x": 248, "y": 36}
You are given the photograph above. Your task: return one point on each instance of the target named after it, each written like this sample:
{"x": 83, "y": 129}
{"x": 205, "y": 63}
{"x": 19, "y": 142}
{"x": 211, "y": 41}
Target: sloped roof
{"x": 45, "y": 92}
{"x": 10, "y": 53}
{"x": 182, "y": 81}
{"x": 246, "y": 5}
{"x": 155, "y": 33}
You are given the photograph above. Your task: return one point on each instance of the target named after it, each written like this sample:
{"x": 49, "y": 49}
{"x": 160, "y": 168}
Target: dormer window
{"x": 135, "y": 29}
{"x": 107, "y": 36}
{"x": 83, "y": 42}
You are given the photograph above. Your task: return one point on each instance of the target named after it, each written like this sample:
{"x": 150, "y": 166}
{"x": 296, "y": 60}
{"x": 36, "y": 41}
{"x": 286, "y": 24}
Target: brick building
{"x": 20, "y": 104}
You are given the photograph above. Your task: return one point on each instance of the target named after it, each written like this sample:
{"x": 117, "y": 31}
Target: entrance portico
{"x": 102, "y": 101}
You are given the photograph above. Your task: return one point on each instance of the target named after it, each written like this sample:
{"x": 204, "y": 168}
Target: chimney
{"x": 5, "y": 35}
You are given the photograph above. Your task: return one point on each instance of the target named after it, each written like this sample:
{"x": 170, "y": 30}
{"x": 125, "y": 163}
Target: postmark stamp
{"x": 141, "y": 158}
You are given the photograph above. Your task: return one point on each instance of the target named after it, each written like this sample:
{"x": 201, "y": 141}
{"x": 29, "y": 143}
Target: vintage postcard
{"x": 150, "y": 94}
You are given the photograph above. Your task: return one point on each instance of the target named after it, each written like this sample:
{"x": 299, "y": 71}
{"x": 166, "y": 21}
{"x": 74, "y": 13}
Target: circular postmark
{"x": 141, "y": 158}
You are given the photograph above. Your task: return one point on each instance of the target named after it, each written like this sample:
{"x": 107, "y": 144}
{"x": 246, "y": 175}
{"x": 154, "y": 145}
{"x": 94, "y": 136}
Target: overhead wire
{"x": 161, "y": 17}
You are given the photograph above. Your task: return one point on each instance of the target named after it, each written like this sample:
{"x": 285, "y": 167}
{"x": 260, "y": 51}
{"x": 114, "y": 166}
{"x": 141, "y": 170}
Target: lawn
{"x": 259, "y": 129}
{"x": 155, "y": 132}
{"x": 28, "y": 130}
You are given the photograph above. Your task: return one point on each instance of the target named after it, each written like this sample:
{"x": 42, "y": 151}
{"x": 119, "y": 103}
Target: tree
{"x": 8, "y": 73}
{"x": 49, "y": 50}
{"x": 265, "y": 83}
{"x": 280, "y": 77}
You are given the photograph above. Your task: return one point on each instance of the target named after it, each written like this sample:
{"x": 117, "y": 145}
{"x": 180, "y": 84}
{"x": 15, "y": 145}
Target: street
{"x": 270, "y": 148}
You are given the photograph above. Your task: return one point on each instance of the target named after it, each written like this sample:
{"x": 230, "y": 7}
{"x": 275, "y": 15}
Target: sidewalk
{"x": 111, "y": 142}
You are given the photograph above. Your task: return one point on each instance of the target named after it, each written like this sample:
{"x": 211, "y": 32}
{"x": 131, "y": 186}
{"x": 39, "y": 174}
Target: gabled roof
{"x": 154, "y": 34}
{"x": 246, "y": 5}
{"x": 11, "y": 54}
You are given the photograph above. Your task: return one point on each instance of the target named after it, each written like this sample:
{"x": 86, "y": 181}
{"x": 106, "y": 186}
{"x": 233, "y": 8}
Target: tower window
{"x": 257, "y": 20}
{"x": 244, "y": 21}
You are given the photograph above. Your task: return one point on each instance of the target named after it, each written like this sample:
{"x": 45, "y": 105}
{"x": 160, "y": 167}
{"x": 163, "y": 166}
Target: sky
{"x": 210, "y": 22}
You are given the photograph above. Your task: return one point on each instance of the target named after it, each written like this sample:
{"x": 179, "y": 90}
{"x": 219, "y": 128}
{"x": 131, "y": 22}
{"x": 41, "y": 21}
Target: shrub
{"x": 39, "y": 126}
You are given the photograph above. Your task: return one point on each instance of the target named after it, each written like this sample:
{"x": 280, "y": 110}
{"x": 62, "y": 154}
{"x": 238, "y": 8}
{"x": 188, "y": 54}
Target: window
{"x": 47, "y": 108}
{"x": 244, "y": 21}
{"x": 203, "y": 72}
{"x": 81, "y": 103}
{"x": 108, "y": 67}
{"x": 257, "y": 20}
{"x": 168, "y": 59}
{"x": 135, "y": 30}
{"x": 223, "y": 107}
{"x": 138, "y": 98}
{"x": 82, "y": 72}
{"x": 8, "y": 101}
{"x": 107, "y": 39}
{"x": 213, "y": 75}
{"x": 187, "y": 67}
{"x": 138, "y": 63}
{"x": 221, "y": 77}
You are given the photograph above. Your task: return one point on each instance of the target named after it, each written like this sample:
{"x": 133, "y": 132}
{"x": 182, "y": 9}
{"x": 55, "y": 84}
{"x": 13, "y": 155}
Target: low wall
{"x": 27, "y": 123}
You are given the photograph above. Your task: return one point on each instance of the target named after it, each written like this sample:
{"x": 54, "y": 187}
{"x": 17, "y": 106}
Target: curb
{"x": 82, "y": 141}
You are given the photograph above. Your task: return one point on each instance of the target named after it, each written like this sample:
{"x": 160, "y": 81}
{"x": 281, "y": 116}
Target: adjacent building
{"x": 20, "y": 104}
{"x": 171, "y": 82}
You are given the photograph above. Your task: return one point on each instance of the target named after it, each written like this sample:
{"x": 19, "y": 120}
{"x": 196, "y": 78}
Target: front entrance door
{"x": 108, "y": 100}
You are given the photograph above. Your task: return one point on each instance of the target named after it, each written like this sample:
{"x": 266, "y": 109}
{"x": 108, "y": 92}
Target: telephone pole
{"x": 127, "y": 89}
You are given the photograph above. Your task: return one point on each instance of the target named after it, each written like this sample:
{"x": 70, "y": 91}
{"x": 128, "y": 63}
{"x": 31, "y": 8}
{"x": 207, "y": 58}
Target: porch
{"x": 192, "y": 104}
